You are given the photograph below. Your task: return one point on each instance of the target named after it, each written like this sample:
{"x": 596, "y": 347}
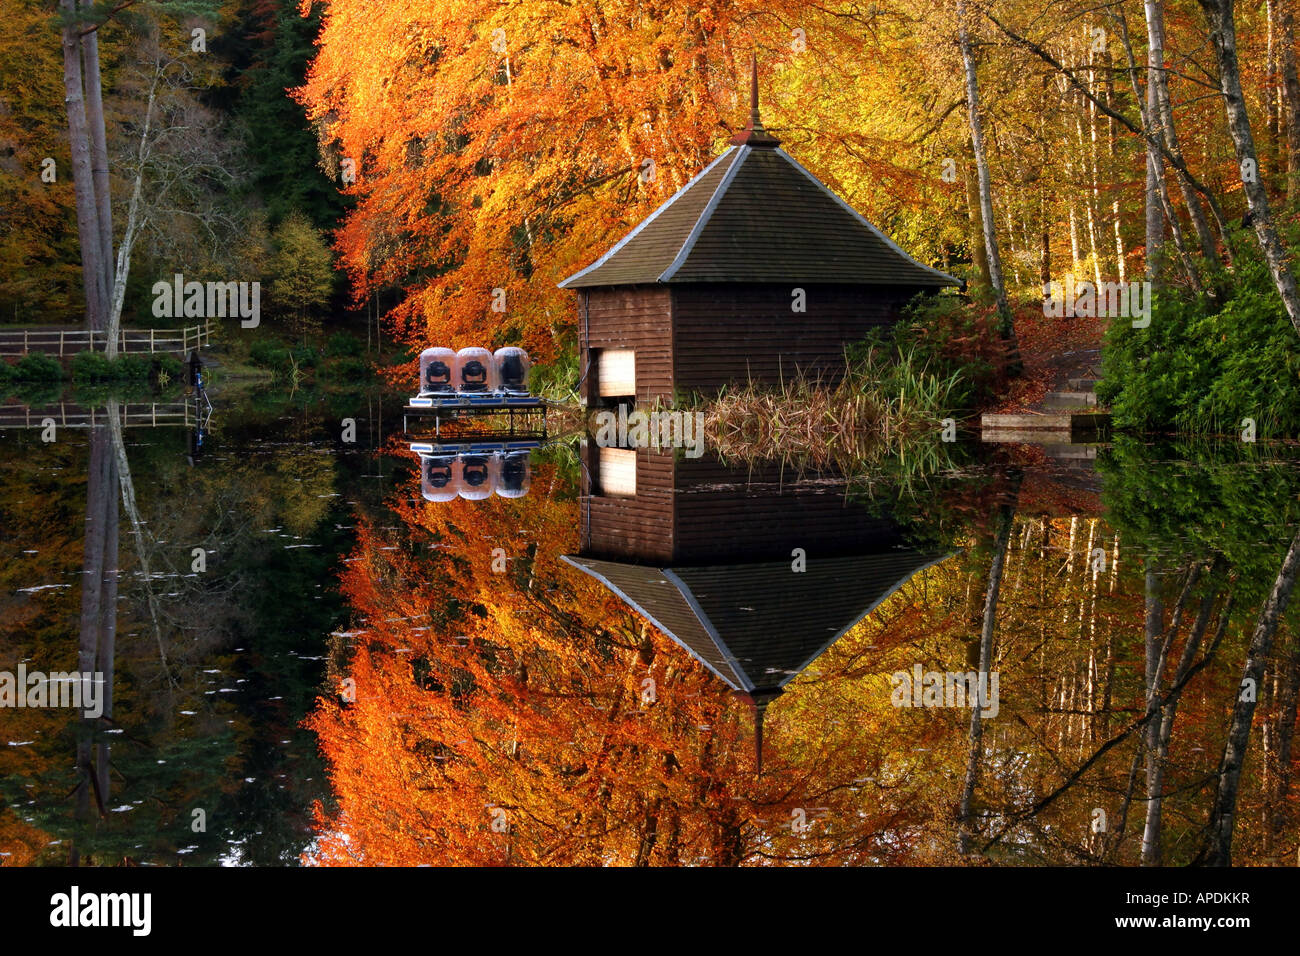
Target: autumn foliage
{"x": 530, "y": 717}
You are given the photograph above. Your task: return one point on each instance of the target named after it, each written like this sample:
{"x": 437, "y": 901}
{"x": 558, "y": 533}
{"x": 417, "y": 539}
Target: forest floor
{"x": 1053, "y": 351}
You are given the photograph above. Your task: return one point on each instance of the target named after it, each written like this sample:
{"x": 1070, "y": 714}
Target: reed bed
{"x": 888, "y": 406}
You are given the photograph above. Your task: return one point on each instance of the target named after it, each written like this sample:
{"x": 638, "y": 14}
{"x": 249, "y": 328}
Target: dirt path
{"x": 1053, "y": 352}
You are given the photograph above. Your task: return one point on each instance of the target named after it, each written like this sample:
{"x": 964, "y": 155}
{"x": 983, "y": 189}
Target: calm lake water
{"x": 319, "y": 651}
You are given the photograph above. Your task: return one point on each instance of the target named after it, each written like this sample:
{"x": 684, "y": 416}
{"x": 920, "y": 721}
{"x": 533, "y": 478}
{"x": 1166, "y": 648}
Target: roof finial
{"x": 754, "y": 134}
{"x": 759, "y": 698}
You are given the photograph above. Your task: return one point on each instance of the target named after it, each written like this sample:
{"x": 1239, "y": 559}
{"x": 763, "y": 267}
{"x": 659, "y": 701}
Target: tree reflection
{"x": 540, "y": 716}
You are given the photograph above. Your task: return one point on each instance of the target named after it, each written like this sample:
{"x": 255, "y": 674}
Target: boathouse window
{"x": 617, "y": 472}
{"x": 615, "y": 373}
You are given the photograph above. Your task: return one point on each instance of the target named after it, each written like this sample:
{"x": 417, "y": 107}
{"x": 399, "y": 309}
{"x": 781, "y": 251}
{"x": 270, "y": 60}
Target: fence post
{"x": 151, "y": 348}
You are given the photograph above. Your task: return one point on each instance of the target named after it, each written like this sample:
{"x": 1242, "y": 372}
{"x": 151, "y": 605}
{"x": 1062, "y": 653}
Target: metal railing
{"x": 64, "y": 341}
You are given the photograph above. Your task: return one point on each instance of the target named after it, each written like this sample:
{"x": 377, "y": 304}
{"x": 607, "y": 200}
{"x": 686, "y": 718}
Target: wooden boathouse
{"x": 703, "y": 552}
{"x": 754, "y": 270}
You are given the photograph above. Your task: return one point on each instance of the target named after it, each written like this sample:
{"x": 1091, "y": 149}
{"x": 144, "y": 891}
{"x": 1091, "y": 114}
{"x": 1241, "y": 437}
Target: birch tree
{"x": 1223, "y": 35}
{"x": 181, "y": 163}
{"x": 982, "y": 173}
{"x": 1217, "y": 850}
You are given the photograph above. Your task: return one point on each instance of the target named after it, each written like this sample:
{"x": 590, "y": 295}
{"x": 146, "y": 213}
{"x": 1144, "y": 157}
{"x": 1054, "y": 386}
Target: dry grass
{"x": 885, "y": 408}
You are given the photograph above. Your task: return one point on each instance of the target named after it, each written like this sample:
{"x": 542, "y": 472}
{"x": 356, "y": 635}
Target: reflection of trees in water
{"x": 164, "y": 643}
{"x": 1122, "y": 736}
{"x": 145, "y": 545}
{"x": 98, "y": 626}
{"x": 1205, "y": 588}
{"x": 1217, "y": 849}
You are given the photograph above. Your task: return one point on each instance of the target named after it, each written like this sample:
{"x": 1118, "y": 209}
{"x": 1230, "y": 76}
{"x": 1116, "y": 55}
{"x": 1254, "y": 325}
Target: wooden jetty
{"x": 520, "y": 411}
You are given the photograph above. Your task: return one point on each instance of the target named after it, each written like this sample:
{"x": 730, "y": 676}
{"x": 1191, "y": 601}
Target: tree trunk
{"x": 1002, "y": 538}
{"x": 96, "y": 530}
{"x": 982, "y": 174}
{"x": 1217, "y": 850}
{"x": 105, "y": 650}
{"x": 1112, "y": 152}
{"x": 134, "y": 223}
{"x": 1286, "y": 721}
{"x": 98, "y": 146}
{"x": 975, "y": 222}
{"x": 1158, "y": 759}
{"x": 93, "y": 270}
{"x": 1290, "y": 100}
{"x": 127, "y": 488}
{"x": 1090, "y": 197}
{"x": 1163, "y": 123}
{"x": 1223, "y": 33}
{"x": 1155, "y": 231}
{"x": 1154, "y": 626}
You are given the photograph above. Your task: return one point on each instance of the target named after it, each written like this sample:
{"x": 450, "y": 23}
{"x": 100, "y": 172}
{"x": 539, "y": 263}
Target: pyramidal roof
{"x": 756, "y": 625}
{"x": 756, "y": 215}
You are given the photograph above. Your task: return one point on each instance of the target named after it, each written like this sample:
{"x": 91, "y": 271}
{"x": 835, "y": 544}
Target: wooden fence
{"x": 54, "y": 340}
{"x": 68, "y": 415}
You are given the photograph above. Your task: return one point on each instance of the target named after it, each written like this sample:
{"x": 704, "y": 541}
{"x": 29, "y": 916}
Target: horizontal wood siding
{"x": 758, "y": 513}
{"x": 730, "y": 333}
{"x": 629, "y": 317}
{"x": 638, "y": 528}
{"x": 698, "y": 511}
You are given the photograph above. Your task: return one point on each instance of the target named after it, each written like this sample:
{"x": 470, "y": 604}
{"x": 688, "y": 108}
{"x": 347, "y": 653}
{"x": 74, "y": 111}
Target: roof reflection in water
{"x": 754, "y": 575}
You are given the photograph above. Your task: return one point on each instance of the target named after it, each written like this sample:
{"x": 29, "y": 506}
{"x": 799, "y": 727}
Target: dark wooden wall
{"x": 699, "y": 511}
{"x": 638, "y": 528}
{"x": 701, "y": 337}
{"x": 628, "y": 317}
{"x": 758, "y": 513}
{"x": 730, "y": 333}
